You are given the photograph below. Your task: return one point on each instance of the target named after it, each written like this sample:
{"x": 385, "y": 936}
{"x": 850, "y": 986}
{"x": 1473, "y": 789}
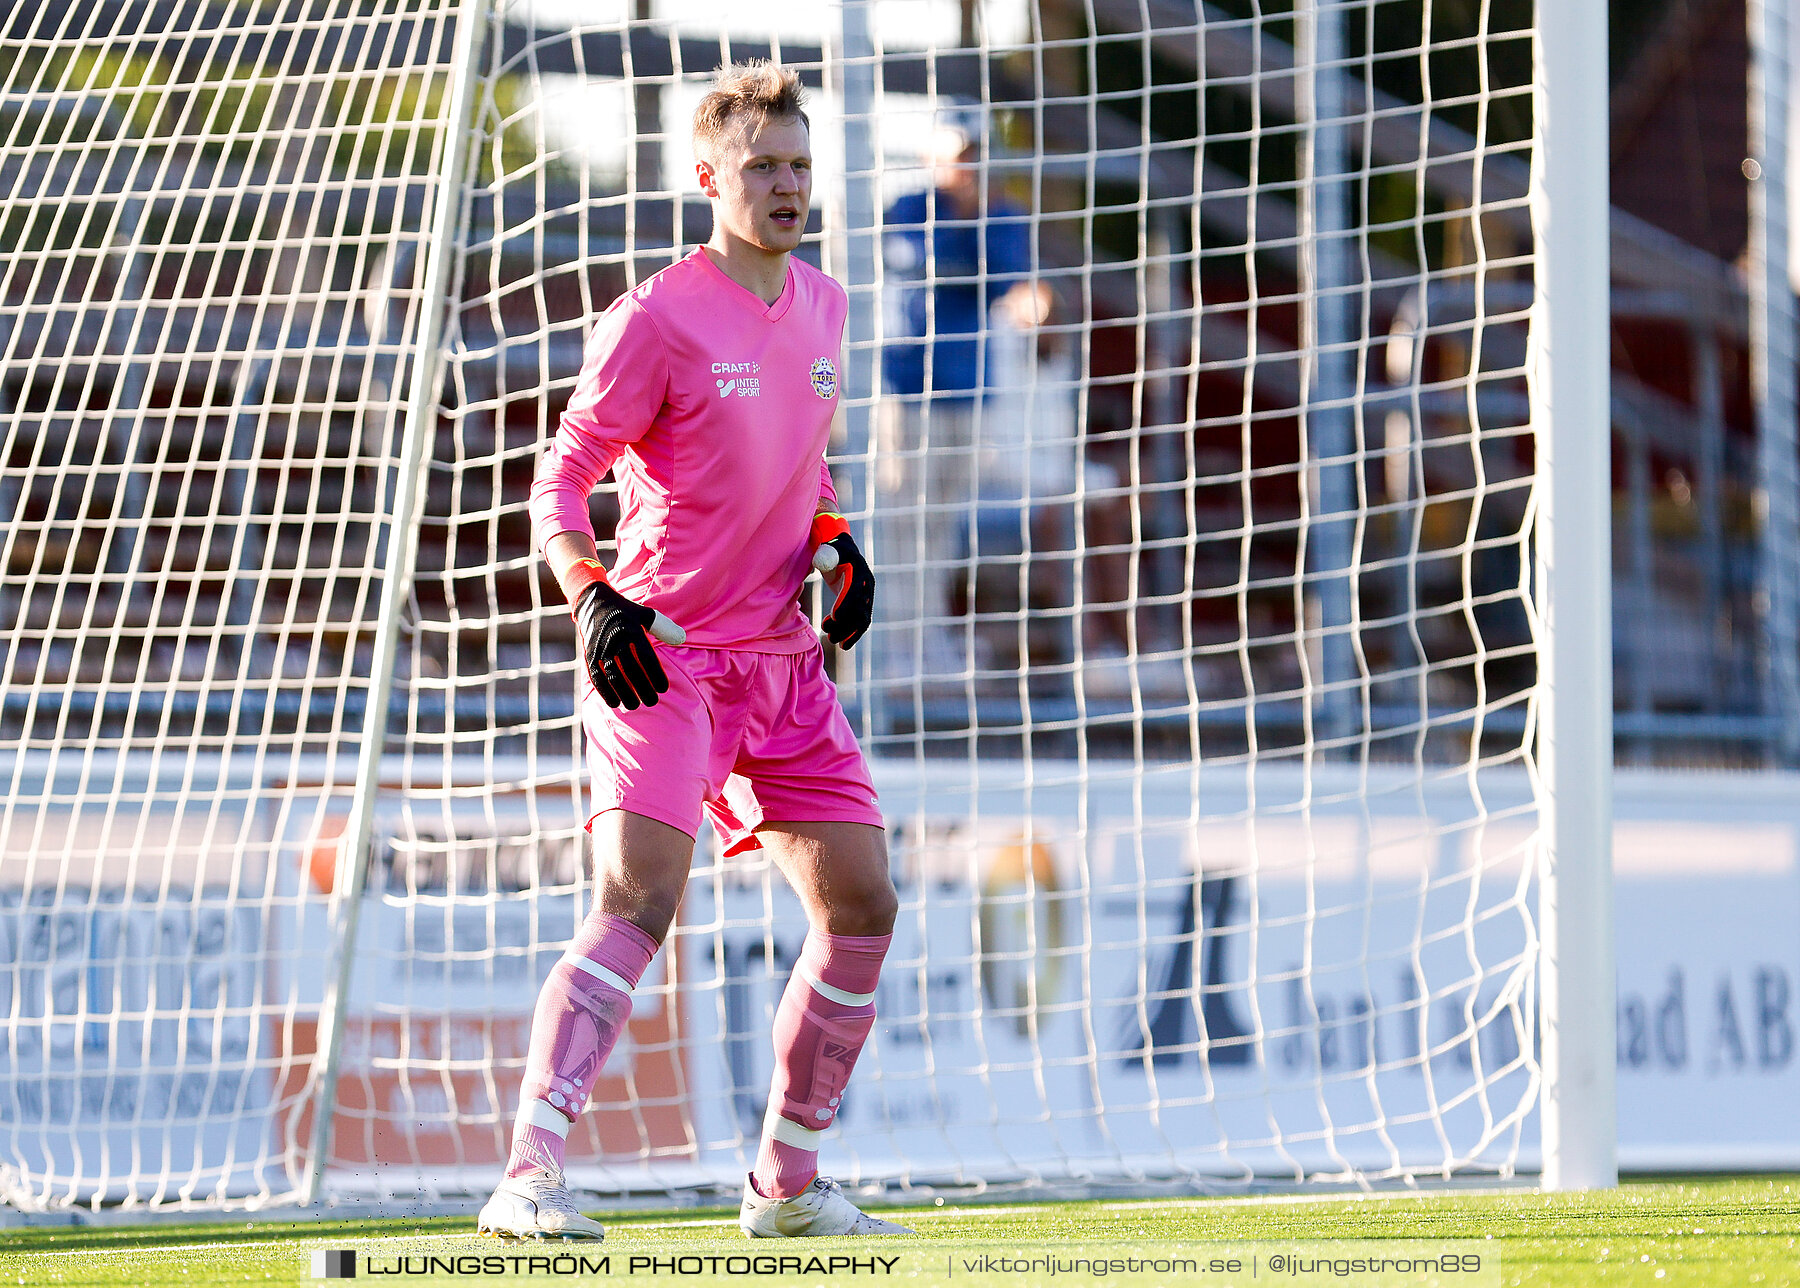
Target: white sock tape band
{"x": 539, "y": 1114}
{"x": 597, "y": 971}
{"x": 789, "y": 1132}
{"x": 838, "y": 995}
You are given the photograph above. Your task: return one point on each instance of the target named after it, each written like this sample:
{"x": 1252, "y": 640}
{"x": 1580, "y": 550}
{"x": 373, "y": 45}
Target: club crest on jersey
{"x": 824, "y": 378}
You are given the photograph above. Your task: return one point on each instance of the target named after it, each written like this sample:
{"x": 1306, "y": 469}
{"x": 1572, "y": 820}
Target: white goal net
{"x": 1187, "y": 426}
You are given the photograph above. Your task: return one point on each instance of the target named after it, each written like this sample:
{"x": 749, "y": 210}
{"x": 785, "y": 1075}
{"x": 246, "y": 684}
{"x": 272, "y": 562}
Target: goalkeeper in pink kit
{"x": 708, "y": 393}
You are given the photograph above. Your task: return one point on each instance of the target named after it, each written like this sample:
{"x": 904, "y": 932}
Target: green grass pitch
{"x": 1659, "y": 1233}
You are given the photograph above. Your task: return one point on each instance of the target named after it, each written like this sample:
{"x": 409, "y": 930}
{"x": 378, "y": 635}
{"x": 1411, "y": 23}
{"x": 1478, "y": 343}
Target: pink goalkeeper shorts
{"x": 740, "y": 737}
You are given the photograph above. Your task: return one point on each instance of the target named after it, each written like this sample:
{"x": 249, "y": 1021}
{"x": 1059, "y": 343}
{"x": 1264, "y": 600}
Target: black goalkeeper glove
{"x": 615, "y": 641}
{"x": 854, "y": 581}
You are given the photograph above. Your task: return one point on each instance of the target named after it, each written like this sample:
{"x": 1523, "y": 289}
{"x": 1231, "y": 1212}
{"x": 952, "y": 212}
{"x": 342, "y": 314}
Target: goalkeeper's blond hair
{"x": 758, "y": 91}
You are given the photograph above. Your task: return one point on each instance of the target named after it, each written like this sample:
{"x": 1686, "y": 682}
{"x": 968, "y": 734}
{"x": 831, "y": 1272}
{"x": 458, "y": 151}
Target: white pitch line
{"x": 966, "y": 1209}
{"x": 338, "y": 1241}
{"x": 972, "y": 1209}
{"x": 1357, "y": 1196}
{"x": 671, "y": 1225}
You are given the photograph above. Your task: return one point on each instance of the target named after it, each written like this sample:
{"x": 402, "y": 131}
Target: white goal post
{"x": 1572, "y": 397}
{"x": 1225, "y": 414}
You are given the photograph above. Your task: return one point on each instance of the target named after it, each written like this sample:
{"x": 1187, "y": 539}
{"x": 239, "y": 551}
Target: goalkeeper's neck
{"x": 762, "y": 273}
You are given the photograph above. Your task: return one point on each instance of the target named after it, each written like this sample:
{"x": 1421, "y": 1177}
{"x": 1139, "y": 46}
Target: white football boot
{"x": 819, "y": 1209}
{"x": 536, "y": 1205}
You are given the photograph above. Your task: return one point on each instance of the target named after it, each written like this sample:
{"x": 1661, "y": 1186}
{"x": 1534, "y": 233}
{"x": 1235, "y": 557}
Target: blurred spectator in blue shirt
{"x": 952, "y": 260}
{"x": 958, "y": 261}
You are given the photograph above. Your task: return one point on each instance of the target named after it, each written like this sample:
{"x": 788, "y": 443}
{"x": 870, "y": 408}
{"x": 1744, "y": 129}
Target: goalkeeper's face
{"x": 760, "y": 183}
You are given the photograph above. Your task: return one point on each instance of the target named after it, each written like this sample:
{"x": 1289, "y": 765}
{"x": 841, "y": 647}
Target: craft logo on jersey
{"x": 824, "y": 378}
{"x": 740, "y": 378}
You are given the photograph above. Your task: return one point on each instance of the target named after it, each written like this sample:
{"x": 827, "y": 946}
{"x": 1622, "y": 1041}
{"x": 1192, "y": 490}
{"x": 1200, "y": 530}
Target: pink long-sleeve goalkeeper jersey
{"x": 713, "y": 410}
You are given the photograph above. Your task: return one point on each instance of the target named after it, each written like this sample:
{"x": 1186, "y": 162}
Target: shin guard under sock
{"x": 820, "y": 1027}
{"x": 583, "y": 1008}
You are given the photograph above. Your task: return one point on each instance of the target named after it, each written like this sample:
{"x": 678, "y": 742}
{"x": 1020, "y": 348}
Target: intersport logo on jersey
{"x": 740, "y": 378}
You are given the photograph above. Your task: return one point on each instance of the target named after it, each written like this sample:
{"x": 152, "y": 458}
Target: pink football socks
{"x": 583, "y": 1008}
{"x": 820, "y": 1027}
